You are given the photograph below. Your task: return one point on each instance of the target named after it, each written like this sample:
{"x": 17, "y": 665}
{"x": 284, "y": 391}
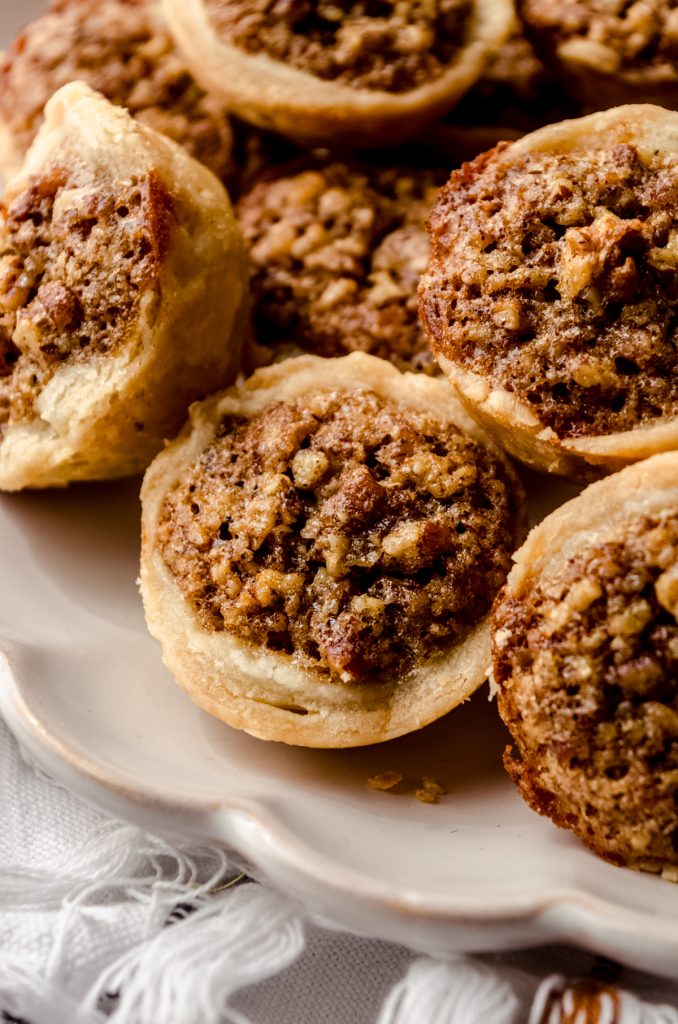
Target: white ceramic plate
{"x": 83, "y": 687}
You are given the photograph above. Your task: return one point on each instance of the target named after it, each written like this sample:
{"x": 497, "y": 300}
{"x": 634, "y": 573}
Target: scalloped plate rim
{"x": 553, "y": 915}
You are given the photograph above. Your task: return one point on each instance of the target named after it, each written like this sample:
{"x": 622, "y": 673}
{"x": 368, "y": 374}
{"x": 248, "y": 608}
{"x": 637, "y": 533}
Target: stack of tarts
{"x": 327, "y": 542}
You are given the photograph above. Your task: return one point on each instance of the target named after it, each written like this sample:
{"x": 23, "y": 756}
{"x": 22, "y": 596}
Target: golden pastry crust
{"x": 123, "y": 275}
{"x": 122, "y": 49}
{"x": 585, "y": 654}
{"x": 548, "y": 299}
{"x": 609, "y": 53}
{"x": 233, "y": 621}
{"x": 336, "y": 251}
{"x": 272, "y": 93}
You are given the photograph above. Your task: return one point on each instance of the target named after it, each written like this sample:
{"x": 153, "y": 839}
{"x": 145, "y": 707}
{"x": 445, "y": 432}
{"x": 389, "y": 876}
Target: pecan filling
{"x": 587, "y": 663}
{"x": 364, "y": 44}
{"x": 353, "y": 534}
{"x": 75, "y": 262}
{"x": 610, "y": 37}
{"x": 555, "y": 277}
{"x": 336, "y": 253}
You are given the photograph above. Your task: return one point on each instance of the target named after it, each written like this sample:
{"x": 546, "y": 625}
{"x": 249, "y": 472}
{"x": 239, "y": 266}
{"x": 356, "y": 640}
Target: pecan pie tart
{"x": 586, "y": 662}
{"x": 122, "y": 277}
{"x": 321, "y": 547}
{"x": 122, "y": 49}
{"x": 323, "y": 71}
{"x": 550, "y": 296}
{"x": 609, "y": 52}
{"x": 336, "y": 251}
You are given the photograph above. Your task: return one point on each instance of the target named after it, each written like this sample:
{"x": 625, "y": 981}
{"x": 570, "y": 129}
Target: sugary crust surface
{"x": 122, "y": 49}
{"x": 560, "y": 338}
{"x": 336, "y": 251}
{"x": 273, "y": 695}
{"x": 271, "y": 93}
{"x": 105, "y": 411}
{"x": 585, "y": 658}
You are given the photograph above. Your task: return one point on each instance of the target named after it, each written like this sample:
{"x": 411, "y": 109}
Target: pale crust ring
{"x": 512, "y": 422}
{"x": 270, "y": 94}
{"x": 187, "y": 336}
{"x": 264, "y": 693}
{"x": 603, "y": 509}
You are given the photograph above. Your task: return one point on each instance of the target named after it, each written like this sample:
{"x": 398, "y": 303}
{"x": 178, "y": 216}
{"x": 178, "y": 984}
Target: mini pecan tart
{"x": 351, "y": 72}
{"x": 336, "y": 252}
{"x": 321, "y": 547}
{"x": 609, "y": 52}
{"x": 122, "y": 276}
{"x": 586, "y": 663}
{"x": 122, "y": 49}
{"x": 550, "y": 296}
